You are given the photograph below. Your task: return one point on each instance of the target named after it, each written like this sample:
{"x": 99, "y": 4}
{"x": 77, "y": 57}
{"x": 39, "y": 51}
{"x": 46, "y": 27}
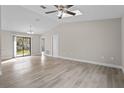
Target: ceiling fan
{"x": 61, "y": 9}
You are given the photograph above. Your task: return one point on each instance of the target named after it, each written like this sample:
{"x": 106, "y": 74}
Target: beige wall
{"x": 7, "y": 50}
{"x": 0, "y": 40}
{"x": 122, "y": 34}
{"x": 98, "y": 41}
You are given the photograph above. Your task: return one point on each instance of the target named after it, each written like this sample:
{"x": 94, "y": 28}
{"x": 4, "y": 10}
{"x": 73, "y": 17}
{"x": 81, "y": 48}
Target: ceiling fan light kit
{"x": 30, "y": 31}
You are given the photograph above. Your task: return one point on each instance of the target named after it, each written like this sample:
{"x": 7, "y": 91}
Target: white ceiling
{"x": 90, "y": 12}
{"x": 18, "y": 18}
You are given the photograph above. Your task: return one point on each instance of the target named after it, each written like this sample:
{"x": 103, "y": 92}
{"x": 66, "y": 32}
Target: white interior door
{"x": 55, "y": 45}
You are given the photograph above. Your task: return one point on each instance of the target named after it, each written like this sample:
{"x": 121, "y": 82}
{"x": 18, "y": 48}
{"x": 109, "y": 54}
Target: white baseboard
{"x": 91, "y": 62}
{"x": 48, "y": 55}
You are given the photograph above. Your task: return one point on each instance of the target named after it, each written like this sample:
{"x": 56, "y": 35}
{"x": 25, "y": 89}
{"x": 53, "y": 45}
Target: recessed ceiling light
{"x": 75, "y": 11}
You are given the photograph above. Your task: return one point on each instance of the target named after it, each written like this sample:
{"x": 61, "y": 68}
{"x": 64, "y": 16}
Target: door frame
{"x": 57, "y": 45}
{"x": 15, "y": 45}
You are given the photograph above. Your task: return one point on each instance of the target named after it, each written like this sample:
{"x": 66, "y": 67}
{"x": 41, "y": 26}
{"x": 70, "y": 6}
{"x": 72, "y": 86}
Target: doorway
{"x": 43, "y": 46}
{"x": 55, "y": 45}
{"x": 23, "y": 46}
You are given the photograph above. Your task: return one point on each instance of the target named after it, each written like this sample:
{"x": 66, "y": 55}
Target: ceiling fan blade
{"x": 42, "y": 6}
{"x": 56, "y": 6}
{"x": 69, "y": 6}
{"x": 51, "y": 11}
{"x": 69, "y": 12}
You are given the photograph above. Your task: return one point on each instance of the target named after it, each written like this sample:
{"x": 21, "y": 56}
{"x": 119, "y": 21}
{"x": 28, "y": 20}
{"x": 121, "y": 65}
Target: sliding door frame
{"x": 15, "y": 45}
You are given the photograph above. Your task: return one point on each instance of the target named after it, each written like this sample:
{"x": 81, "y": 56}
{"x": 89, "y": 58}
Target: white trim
{"x": 40, "y": 45}
{"x": 22, "y": 35}
{"x": 14, "y": 46}
{"x": 91, "y": 62}
{"x": 56, "y": 50}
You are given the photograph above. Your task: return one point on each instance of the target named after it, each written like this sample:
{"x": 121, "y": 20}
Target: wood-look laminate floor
{"x": 48, "y": 72}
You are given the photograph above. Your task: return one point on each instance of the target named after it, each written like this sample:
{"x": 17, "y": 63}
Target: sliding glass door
{"x": 23, "y": 46}
{"x": 27, "y": 46}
